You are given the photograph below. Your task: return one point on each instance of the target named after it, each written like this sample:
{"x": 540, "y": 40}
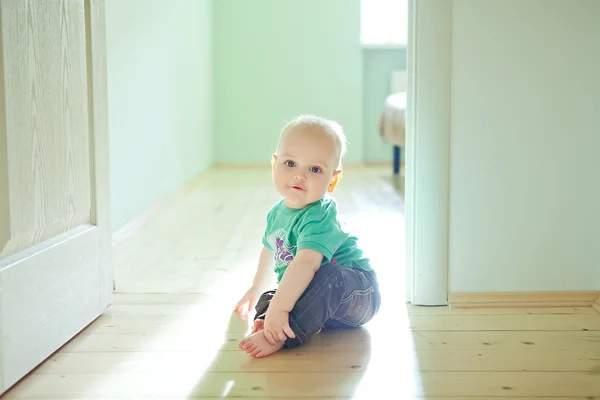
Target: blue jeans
{"x": 337, "y": 297}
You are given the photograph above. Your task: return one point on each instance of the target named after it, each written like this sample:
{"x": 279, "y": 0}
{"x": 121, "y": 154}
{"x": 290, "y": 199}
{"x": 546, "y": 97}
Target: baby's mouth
{"x": 296, "y": 187}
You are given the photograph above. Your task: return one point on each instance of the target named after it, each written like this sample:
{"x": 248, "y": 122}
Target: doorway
{"x": 423, "y": 32}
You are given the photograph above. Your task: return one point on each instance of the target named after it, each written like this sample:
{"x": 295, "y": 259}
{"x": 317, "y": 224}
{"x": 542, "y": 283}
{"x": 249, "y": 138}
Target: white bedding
{"x": 392, "y": 122}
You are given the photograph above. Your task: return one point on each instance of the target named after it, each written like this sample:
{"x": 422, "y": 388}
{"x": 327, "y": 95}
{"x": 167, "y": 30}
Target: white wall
{"x": 525, "y": 146}
{"x": 159, "y": 99}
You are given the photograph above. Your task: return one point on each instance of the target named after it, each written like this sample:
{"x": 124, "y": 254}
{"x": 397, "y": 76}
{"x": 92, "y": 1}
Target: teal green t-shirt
{"x": 316, "y": 227}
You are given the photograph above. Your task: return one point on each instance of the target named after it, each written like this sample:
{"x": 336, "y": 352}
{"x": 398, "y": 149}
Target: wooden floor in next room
{"x": 171, "y": 333}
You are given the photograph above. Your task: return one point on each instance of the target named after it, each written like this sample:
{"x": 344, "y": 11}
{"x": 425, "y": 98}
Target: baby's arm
{"x": 262, "y": 278}
{"x": 264, "y": 271}
{"x": 296, "y": 279}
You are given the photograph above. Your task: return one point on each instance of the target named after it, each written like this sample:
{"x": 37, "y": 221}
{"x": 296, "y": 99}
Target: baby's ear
{"x": 273, "y": 160}
{"x": 335, "y": 179}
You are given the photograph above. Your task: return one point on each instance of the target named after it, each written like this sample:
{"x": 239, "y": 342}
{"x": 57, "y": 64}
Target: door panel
{"x": 55, "y": 275}
{"x": 47, "y": 119}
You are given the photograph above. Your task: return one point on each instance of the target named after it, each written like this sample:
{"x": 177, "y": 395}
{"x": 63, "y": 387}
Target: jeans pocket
{"x": 356, "y": 308}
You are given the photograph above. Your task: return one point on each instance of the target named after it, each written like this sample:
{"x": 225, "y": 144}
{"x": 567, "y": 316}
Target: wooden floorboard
{"x": 171, "y": 333}
{"x": 399, "y": 381}
{"x": 314, "y": 360}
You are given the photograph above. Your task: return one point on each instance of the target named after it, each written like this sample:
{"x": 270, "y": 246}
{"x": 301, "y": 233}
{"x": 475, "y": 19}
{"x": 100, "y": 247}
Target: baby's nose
{"x": 300, "y": 177}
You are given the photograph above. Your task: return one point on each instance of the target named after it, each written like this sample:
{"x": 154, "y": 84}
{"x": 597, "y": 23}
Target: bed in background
{"x": 392, "y": 121}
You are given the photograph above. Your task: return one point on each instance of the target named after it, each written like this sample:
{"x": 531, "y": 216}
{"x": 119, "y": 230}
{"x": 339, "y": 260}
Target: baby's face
{"x": 304, "y": 166}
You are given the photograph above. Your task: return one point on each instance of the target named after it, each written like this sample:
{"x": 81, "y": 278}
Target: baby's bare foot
{"x": 259, "y": 324}
{"x": 257, "y": 345}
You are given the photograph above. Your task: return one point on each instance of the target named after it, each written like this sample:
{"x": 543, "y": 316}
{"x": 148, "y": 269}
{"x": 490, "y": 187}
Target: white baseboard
{"x": 523, "y": 299}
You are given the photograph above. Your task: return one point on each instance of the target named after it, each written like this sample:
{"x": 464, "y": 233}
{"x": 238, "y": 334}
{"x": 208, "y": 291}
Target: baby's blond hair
{"x": 326, "y": 126}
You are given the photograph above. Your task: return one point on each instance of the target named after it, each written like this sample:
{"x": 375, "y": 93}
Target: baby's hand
{"x": 247, "y": 303}
{"x": 277, "y": 326}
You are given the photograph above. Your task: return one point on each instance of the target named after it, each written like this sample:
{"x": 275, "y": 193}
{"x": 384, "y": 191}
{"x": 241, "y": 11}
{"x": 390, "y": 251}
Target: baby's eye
{"x": 315, "y": 170}
{"x": 289, "y": 163}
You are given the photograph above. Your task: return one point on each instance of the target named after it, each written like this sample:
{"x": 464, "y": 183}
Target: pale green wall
{"x": 378, "y": 65}
{"x": 265, "y": 65}
{"x": 276, "y": 59}
{"x": 159, "y": 88}
{"x": 524, "y": 191}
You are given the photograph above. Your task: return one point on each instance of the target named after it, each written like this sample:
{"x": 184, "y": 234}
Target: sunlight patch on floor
{"x": 393, "y": 363}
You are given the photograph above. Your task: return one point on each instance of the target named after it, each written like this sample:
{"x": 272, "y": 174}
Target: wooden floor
{"x": 171, "y": 333}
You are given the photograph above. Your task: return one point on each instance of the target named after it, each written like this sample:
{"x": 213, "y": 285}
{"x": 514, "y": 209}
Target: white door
{"x": 55, "y": 275}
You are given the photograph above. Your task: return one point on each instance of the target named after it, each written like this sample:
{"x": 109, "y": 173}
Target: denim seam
{"x": 357, "y": 292}
{"x": 368, "y": 310}
{"x": 300, "y": 335}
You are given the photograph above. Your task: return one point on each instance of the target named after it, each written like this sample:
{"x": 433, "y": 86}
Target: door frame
{"x": 95, "y": 14}
{"x": 429, "y": 62}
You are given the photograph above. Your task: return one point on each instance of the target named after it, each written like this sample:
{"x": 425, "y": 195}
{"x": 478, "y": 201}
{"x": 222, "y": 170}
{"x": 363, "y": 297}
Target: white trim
{"x": 533, "y": 299}
{"x": 427, "y": 151}
{"x": 409, "y": 171}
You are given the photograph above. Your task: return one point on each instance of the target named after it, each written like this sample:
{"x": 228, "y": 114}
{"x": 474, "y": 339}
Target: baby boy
{"x": 324, "y": 279}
